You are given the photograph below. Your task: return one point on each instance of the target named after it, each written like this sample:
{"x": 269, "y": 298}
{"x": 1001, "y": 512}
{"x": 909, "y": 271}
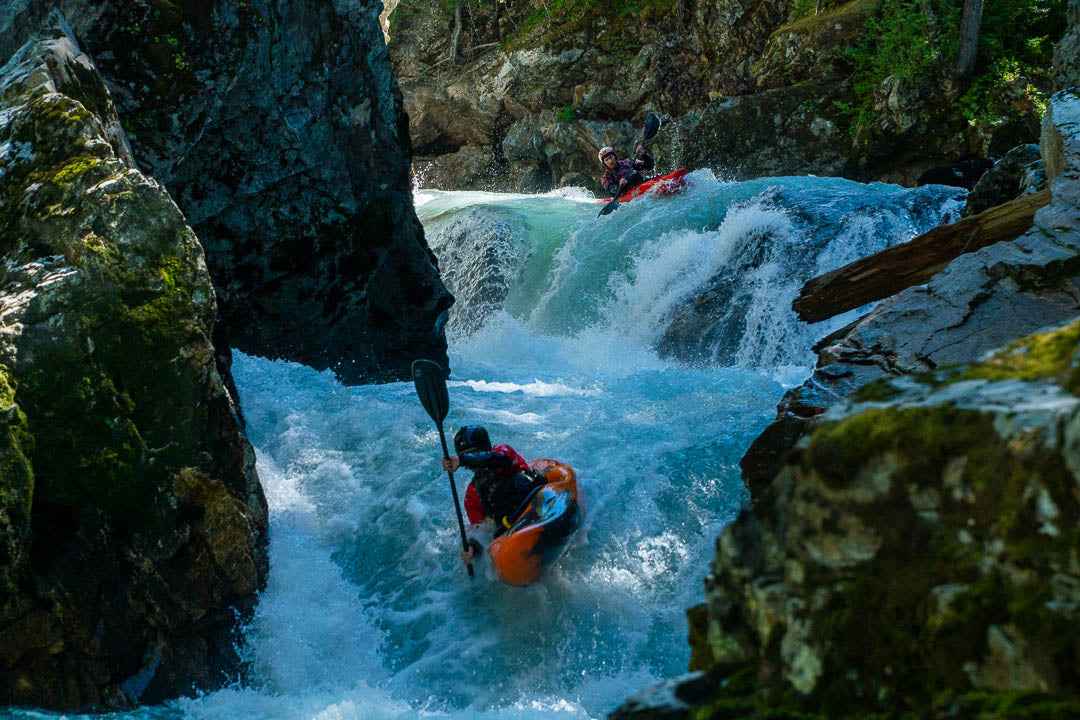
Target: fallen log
{"x": 912, "y": 263}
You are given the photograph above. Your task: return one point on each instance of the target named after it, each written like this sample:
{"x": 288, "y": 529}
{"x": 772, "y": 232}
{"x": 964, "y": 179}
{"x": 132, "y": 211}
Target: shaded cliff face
{"x": 277, "y": 127}
{"x": 132, "y": 524}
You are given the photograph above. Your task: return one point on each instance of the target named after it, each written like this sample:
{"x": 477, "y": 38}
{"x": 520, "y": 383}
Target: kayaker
{"x": 502, "y": 480}
{"x": 621, "y": 175}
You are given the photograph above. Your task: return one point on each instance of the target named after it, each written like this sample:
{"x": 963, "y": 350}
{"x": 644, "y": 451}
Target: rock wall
{"x": 133, "y": 529}
{"x": 277, "y": 126}
{"x": 748, "y": 88}
{"x": 916, "y": 554}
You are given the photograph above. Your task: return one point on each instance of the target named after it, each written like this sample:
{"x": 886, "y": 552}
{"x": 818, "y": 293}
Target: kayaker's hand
{"x": 467, "y": 555}
{"x": 451, "y": 463}
{"x": 622, "y": 182}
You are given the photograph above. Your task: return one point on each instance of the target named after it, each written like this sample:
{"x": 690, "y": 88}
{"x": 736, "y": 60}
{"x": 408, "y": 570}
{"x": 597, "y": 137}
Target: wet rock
{"x": 471, "y": 168}
{"x": 484, "y": 251}
{"x": 133, "y": 527}
{"x": 965, "y": 174}
{"x": 670, "y": 700}
{"x": 1020, "y": 172}
{"x": 793, "y": 131}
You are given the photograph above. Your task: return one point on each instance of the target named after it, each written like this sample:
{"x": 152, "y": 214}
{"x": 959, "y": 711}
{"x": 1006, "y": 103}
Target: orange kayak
{"x": 664, "y": 185}
{"x": 543, "y": 527}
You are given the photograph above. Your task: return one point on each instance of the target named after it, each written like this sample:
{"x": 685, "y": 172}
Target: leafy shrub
{"x": 920, "y": 38}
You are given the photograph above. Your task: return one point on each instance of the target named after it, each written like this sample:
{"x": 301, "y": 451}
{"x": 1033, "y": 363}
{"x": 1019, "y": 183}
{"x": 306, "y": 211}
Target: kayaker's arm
{"x": 644, "y": 160}
{"x": 494, "y": 461}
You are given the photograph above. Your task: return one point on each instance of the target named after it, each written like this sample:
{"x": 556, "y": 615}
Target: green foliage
{"x": 806, "y": 8}
{"x": 919, "y": 39}
{"x": 904, "y": 41}
{"x": 560, "y": 15}
{"x": 565, "y": 114}
{"x": 1016, "y": 53}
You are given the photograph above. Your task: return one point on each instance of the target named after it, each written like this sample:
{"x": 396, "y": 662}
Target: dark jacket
{"x": 626, "y": 169}
{"x": 502, "y": 480}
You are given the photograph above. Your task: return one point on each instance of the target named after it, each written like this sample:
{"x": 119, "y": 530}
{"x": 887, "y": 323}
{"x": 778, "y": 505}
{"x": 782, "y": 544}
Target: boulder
{"x": 964, "y": 174}
{"x": 133, "y": 528}
{"x": 916, "y": 554}
{"x": 790, "y": 131}
{"x": 288, "y": 153}
{"x": 484, "y": 251}
{"x": 1020, "y": 172}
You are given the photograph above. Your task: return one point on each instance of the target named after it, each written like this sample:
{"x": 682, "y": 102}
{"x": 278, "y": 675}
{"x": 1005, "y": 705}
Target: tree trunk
{"x": 969, "y": 38}
{"x": 455, "y": 36}
{"x": 913, "y": 263}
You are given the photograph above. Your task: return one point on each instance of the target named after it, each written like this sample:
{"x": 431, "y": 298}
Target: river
{"x": 369, "y": 612}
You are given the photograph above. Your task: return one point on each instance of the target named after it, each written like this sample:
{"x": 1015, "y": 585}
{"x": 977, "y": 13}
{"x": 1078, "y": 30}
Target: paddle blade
{"x": 652, "y": 126}
{"x": 609, "y": 207}
{"x": 430, "y": 380}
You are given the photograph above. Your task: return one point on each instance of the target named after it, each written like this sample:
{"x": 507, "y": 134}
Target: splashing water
{"x": 368, "y": 612}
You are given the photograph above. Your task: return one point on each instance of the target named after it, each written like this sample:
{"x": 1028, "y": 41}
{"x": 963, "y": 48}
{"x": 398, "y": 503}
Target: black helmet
{"x": 471, "y": 438}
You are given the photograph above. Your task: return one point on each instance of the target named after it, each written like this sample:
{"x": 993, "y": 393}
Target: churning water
{"x": 562, "y": 345}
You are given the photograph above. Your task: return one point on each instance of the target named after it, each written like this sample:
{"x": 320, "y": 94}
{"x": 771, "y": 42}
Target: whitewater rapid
{"x": 369, "y": 614}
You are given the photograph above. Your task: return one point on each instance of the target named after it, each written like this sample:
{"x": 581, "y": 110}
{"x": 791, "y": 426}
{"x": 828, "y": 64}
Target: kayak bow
{"x": 665, "y": 185}
{"x": 543, "y": 527}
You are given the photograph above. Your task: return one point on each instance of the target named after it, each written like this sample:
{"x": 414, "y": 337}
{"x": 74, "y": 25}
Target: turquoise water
{"x": 370, "y": 614}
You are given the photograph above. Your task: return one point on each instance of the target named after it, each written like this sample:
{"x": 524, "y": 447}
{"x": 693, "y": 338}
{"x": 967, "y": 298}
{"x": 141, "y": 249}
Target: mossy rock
{"x": 16, "y": 482}
{"x": 926, "y": 557}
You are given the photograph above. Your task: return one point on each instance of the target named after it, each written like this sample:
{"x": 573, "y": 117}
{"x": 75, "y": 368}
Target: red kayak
{"x": 663, "y": 184}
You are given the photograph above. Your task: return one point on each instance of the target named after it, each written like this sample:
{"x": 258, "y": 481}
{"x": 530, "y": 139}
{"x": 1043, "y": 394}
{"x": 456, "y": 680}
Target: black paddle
{"x": 652, "y": 125}
{"x": 430, "y": 380}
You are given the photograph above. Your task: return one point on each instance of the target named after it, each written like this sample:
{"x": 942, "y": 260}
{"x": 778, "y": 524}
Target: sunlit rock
{"x": 133, "y": 528}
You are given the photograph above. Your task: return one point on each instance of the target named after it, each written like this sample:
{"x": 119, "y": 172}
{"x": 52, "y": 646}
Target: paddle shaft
{"x": 453, "y": 491}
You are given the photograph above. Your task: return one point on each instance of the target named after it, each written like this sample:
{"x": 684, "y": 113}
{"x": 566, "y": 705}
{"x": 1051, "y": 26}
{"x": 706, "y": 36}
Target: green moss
{"x": 16, "y": 481}
{"x": 880, "y": 390}
{"x": 105, "y": 440}
{"x": 838, "y": 449}
{"x": 609, "y": 19}
{"x": 1044, "y": 356}
{"x": 831, "y": 12}
{"x": 883, "y": 621}
{"x": 73, "y": 169}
